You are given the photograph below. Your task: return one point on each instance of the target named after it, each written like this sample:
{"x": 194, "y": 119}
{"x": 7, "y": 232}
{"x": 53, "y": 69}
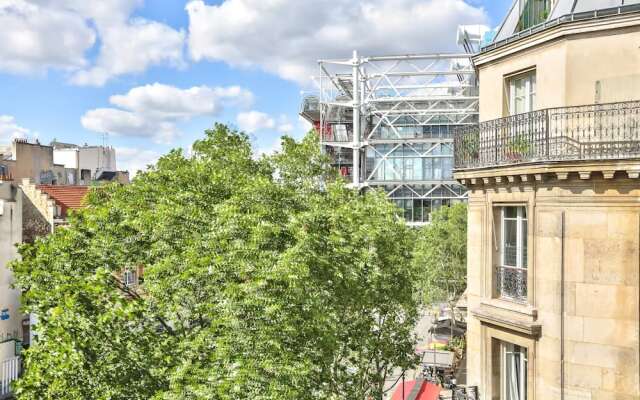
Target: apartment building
{"x": 37, "y": 191}
{"x": 553, "y": 170}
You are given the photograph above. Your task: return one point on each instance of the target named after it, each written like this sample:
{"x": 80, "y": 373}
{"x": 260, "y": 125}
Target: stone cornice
{"x": 540, "y": 172}
{"x": 509, "y": 316}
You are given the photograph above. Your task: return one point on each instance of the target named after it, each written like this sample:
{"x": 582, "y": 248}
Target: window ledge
{"x": 509, "y": 315}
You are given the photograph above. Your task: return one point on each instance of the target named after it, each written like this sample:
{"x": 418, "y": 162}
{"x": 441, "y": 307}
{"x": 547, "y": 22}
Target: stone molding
{"x": 514, "y": 317}
{"x": 548, "y": 171}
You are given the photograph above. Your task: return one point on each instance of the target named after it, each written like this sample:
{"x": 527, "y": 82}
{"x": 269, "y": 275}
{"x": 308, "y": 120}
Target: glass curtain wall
{"x": 409, "y": 162}
{"x": 417, "y": 201}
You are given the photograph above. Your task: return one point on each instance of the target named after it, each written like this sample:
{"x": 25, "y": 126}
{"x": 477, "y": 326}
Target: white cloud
{"x": 10, "y": 130}
{"x": 134, "y": 160}
{"x": 36, "y": 38}
{"x": 154, "y": 110}
{"x": 127, "y": 123}
{"x": 39, "y": 35}
{"x": 132, "y": 47}
{"x": 247, "y": 33}
{"x": 172, "y": 102}
{"x": 286, "y": 128}
{"x": 253, "y": 121}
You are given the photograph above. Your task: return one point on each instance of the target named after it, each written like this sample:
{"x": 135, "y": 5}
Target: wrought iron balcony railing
{"x": 591, "y": 132}
{"x": 511, "y": 283}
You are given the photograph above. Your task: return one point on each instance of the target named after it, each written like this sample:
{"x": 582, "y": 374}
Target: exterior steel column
{"x": 356, "y": 119}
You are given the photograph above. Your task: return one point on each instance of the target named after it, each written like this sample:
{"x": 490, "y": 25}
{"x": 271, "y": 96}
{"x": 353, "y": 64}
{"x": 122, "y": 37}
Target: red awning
{"x": 420, "y": 390}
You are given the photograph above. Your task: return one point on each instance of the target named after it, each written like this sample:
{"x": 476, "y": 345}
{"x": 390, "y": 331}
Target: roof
{"x": 559, "y": 10}
{"x": 66, "y": 196}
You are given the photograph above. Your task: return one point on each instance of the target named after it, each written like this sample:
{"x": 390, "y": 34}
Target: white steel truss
{"x": 388, "y": 120}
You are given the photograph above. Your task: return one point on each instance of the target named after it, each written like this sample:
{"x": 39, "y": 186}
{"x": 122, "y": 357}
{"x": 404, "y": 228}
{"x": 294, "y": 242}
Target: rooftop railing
{"x": 592, "y": 132}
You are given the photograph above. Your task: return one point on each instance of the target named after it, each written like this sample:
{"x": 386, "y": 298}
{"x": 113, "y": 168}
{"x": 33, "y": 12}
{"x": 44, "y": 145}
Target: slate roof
{"x": 66, "y": 196}
{"x": 560, "y": 8}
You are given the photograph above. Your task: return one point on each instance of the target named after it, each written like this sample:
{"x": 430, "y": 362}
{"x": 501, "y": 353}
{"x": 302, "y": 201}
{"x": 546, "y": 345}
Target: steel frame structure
{"x": 395, "y": 115}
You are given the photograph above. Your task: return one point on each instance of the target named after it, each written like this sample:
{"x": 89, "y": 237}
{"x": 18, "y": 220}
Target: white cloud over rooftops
{"x": 155, "y": 110}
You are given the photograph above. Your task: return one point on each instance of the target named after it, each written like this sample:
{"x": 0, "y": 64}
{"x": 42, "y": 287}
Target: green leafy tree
{"x": 441, "y": 255}
{"x": 264, "y": 278}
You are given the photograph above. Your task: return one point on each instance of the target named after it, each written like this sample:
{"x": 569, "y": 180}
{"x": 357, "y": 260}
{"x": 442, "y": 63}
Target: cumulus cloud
{"x": 253, "y": 121}
{"x": 171, "y": 102}
{"x": 245, "y": 32}
{"x": 135, "y": 160}
{"x": 132, "y": 47}
{"x": 9, "y": 130}
{"x": 57, "y": 34}
{"x": 36, "y": 37}
{"x": 154, "y": 110}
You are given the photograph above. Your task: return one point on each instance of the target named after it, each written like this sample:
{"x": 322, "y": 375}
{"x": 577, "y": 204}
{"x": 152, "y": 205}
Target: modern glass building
{"x": 387, "y": 122}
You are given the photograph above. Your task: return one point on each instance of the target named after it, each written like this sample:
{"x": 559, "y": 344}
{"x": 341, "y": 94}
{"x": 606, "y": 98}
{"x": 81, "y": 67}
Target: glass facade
{"x": 412, "y": 131}
{"x": 409, "y": 162}
{"x": 389, "y": 124}
{"x": 416, "y": 202}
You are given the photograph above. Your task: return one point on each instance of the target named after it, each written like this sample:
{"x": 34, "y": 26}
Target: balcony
{"x": 9, "y": 372}
{"x": 592, "y": 132}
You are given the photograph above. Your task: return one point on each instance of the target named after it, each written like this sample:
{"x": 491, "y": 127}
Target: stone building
{"x": 553, "y": 172}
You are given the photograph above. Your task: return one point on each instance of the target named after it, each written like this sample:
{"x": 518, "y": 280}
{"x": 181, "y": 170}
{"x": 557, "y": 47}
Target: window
{"x": 130, "y": 278}
{"x": 522, "y": 93}
{"x": 532, "y": 13}
{"x": 511, "y": 274}
{"x": 513, "y": 374}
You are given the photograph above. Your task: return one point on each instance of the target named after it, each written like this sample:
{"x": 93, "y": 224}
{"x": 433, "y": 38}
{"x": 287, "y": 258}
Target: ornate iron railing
{"x": 511, "y": 283}
{"x": 591, "y": 132}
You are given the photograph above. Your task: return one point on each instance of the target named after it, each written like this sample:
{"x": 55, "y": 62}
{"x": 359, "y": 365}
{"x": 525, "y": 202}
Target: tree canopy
{"x": 264, "y": 278}
{"x": 441, "y": 255}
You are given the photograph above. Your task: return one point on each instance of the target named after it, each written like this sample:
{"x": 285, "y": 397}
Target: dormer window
{"x": 532, "y": 13}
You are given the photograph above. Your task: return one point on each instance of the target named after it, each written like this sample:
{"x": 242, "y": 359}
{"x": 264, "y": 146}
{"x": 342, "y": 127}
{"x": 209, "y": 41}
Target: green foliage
{"x": 441, "y": 254}
{"x": 262, "y": 280}
{"x": 519, "y": 146}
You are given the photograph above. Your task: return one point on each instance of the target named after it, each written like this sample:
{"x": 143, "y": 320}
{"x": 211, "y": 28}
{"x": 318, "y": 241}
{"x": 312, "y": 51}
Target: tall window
{"x": 522, "y": 93}
{"x": 511, "y": 274}
{"x": 533, "y": 12}
{"x": 514, "y": 363}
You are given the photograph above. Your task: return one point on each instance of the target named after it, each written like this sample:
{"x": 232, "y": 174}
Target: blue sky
{"x": 153, "y": 74}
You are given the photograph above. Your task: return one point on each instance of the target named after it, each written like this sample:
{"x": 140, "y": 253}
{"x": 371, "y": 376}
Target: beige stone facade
{"x": 592, "y": 309}
{"x": 575, "y": 325}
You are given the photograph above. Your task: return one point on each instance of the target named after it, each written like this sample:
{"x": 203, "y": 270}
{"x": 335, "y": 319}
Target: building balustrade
{"x": 591, "y": 132}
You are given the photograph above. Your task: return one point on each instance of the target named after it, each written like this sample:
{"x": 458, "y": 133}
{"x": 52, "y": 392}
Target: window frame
{"x": 523, "y": 361}
{"x": 530, "y": 80}
{"x": 522, "y": 229}
{"x": 520, "y": 271}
